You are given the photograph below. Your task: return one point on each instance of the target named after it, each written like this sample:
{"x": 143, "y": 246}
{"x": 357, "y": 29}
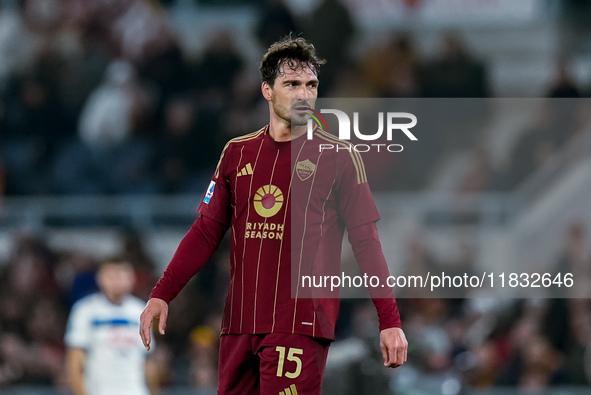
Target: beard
{"x": 290, "y": 115}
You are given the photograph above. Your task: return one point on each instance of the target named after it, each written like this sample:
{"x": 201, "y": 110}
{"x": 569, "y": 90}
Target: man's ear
{"x": 267, "y": 91}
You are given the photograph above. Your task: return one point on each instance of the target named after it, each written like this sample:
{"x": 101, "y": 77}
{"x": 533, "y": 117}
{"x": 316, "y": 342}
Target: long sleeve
{"x": 194, "y": 250}
{"x": 368, "y": 252}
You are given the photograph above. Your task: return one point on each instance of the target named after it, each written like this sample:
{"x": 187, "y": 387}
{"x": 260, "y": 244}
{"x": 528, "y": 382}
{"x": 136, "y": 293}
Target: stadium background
{"x": 112, "y": 114}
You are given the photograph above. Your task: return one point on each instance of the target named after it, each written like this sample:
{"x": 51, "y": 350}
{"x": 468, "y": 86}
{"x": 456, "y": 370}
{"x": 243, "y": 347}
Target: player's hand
{"x": 155, "y": 309}
{"x": 394, "y": 347}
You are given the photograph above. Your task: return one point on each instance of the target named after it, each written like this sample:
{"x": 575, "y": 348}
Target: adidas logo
{"x": 289, "y": 391}
{"x": 246, "y": 171}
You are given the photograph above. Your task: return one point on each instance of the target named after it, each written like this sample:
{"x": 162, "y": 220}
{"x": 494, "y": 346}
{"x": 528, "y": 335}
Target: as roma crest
{"x": 305, "y": 169}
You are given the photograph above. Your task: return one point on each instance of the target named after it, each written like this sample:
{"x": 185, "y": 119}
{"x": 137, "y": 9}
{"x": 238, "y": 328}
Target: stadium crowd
{"x": 526, "y": 343}
{"x": 101, "y": 99}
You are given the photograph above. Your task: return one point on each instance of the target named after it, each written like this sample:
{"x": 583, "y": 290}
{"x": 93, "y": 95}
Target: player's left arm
{"x": 357, "y": 208}
{"x": 78, "y": 339}
{"x": 368, "y": 252}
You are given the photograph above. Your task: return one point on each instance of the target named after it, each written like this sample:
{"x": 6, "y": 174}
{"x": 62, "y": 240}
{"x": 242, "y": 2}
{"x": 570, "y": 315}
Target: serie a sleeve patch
{"x": 209, "y": 193}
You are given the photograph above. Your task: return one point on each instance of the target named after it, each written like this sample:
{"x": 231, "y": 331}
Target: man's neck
{"x": 114, "y": 298}
{"x": 280, "y": 131}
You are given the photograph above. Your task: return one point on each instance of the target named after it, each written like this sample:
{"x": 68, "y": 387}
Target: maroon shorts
{"x": 273, "y": 364}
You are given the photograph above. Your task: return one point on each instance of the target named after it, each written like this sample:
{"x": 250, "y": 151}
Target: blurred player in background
{"x": 105, "y": 356}
{"x": 268, "y": 186}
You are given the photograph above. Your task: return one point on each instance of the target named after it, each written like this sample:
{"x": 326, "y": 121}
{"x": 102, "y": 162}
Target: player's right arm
{"x": 78, "y": 339}
{"x": 192, "y": 253}
{"x": 75, "y": 369}
{"x": 195, "y": 249}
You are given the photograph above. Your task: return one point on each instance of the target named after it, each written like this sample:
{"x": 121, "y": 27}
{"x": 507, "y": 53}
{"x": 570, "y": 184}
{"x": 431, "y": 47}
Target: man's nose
{"x": 302, "y": 92}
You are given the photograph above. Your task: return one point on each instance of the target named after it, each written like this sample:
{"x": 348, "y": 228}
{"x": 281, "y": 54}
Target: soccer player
{"x": 287, "y": 204}
{"x": 105, "y": 356}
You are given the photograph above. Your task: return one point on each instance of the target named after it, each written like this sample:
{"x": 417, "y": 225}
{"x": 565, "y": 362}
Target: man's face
{"x": 116, "y": 280}
{"x": 294, "y": 90}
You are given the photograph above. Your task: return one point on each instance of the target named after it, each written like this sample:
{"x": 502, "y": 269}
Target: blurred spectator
{"x": 419, "y": 259}
{"x": 349, "y": 82}
{"x": 183, "y": 148}
{"x": 246, "y": 110}
{"x": 356, "y": 369}
{"x": 75, "y": 64}
{"x": 393, "y": 69}
{"x": 30, "y": 273}
{"x": 455, "y": 73}
{"x": 108, "y": 115}
{"x": 217, "y": 73}
{"x": 530, "y": 152}
{"x": 557, "y": 121}
{"x": 3, "y": 174}
{"x": 2, "y": 179}
{"x": 111, "y": 156}
{"x": 138, "y": 29}
{"x": 275, "y": 21}
{"x": 31, "y": 316}
{"x": 34, "y": 125}
{"x": 542, "y": 365}
{"x": 486, "y": 366}
{"x": 564, "y": 84}
{"x": 533, "y": 362}
{"x": 220, "y": 64}
{"x": 45, "y": 327}
{"x": 432, "y": 348}
{"x": 575, "y": 258}
{"x": 481, "y": 177}
{"x": 18, "y": 45}
{"x": 331, "y": 29}
{"x": 142, "y": 264}
{"x": 167, "y": 3}
{"x": 204, "y": 353}
{"x": 577, "y": 340}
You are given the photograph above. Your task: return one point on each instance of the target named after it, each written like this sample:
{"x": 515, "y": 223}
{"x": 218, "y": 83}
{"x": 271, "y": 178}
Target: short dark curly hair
{"x": 293, "y": 51}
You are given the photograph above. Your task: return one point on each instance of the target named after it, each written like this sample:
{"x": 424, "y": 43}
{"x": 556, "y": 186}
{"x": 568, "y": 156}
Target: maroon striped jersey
{"x": 287, "y": 205}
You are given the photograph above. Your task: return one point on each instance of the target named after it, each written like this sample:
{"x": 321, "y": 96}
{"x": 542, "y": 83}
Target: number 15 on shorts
{"x": 292, "y": 356}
